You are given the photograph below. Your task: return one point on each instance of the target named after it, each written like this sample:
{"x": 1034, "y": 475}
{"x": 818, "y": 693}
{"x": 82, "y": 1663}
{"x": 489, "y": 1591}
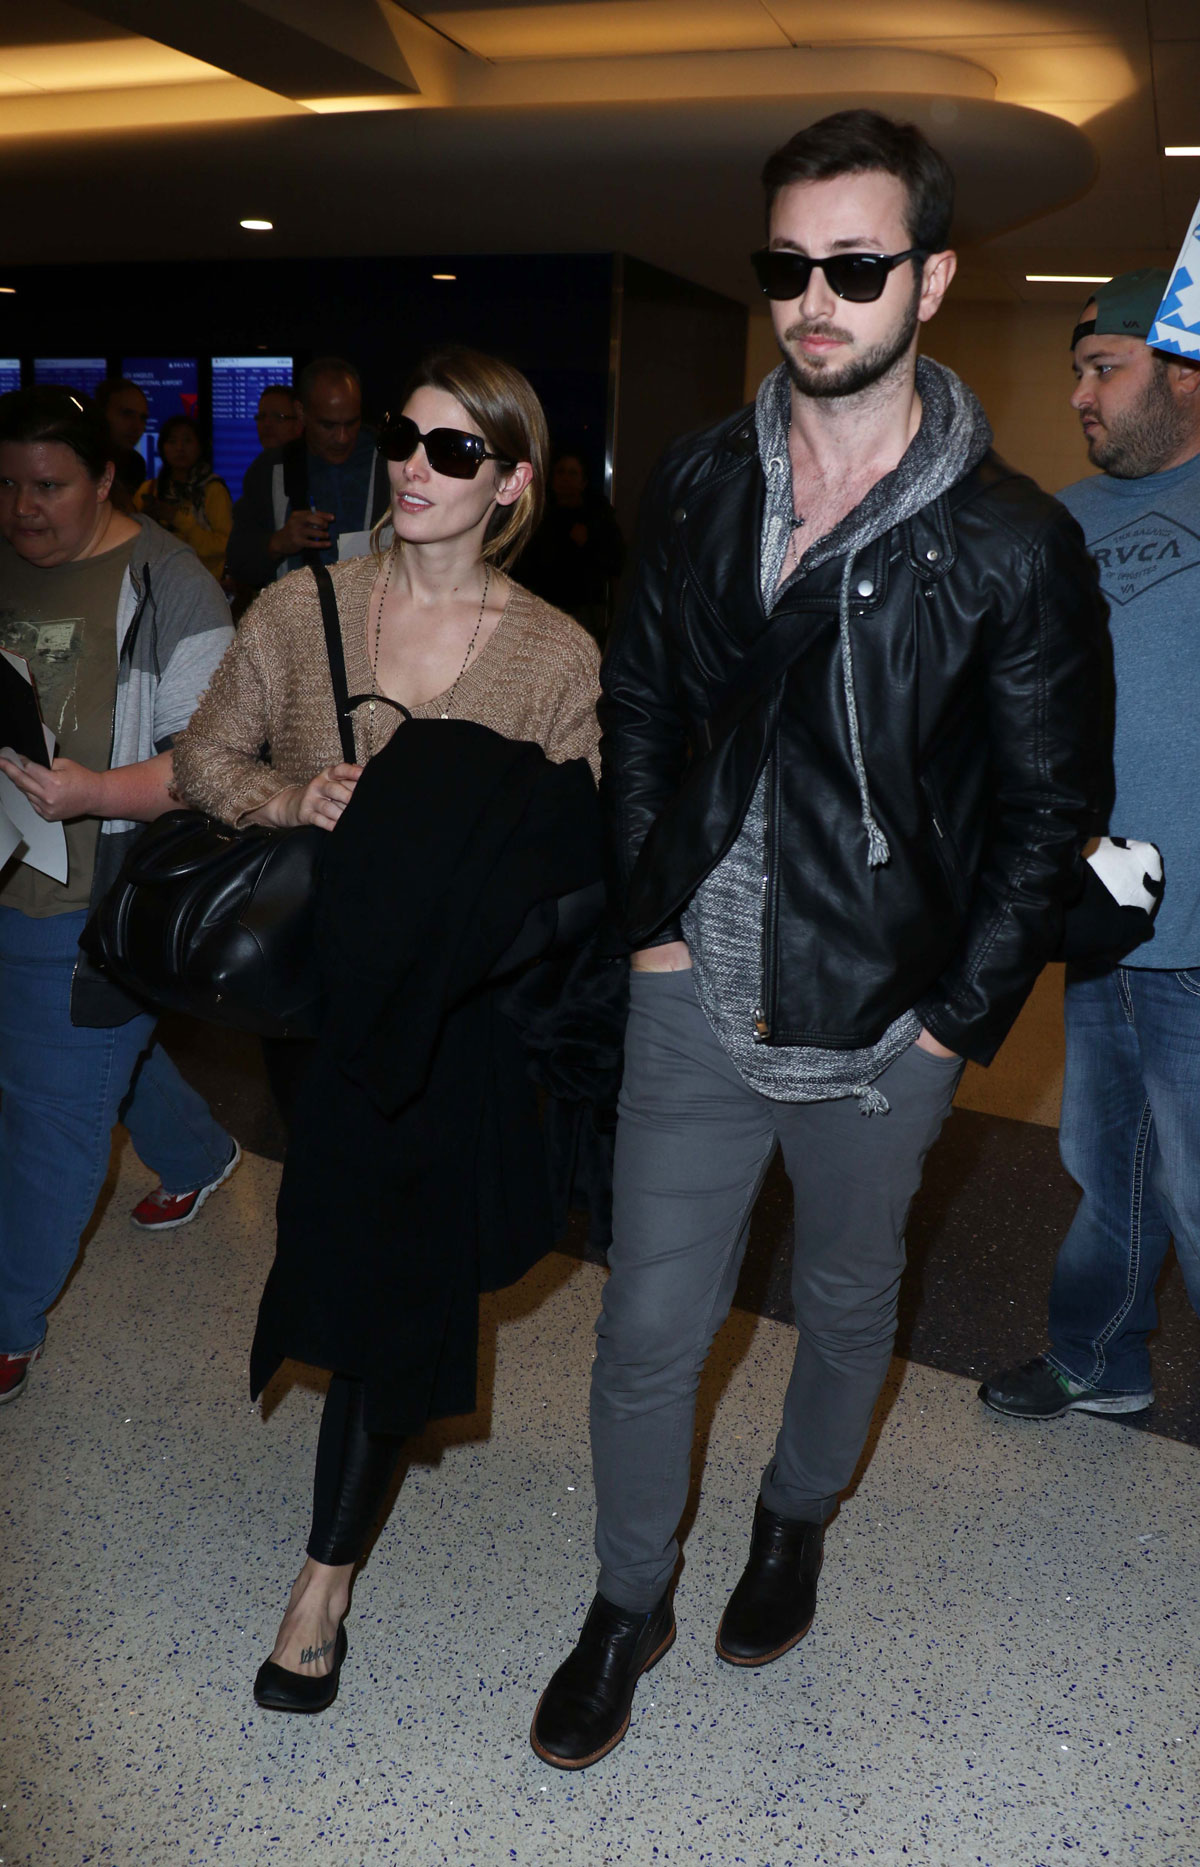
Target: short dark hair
{"x": 172, "y": 425}
{"x": 322, "y": 366}
{"x": 49, "y": 413}
{"x": 278, "y": 388}
{"x": 111, "y": 386}
{"x": 855, "y": 142}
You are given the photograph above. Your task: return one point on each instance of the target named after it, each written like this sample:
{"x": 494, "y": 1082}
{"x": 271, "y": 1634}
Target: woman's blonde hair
{"x": 507, "y": 413}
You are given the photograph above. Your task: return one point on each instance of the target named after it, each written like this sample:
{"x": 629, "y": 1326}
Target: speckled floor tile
{"x": 1002, "y": 1672}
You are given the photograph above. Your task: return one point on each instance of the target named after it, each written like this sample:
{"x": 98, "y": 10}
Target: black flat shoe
{"x": 277, "y": 1689}
{"x": 584, "y": 1711}
{"x": 773, "y": 1604}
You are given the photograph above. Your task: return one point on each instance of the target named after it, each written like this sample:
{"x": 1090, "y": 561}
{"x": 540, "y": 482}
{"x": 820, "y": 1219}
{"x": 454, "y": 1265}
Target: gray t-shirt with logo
{"x": 1145, "y": 537}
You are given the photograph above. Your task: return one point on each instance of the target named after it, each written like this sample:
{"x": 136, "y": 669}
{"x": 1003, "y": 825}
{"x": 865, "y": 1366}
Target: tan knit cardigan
{"x": 536, "y": 678}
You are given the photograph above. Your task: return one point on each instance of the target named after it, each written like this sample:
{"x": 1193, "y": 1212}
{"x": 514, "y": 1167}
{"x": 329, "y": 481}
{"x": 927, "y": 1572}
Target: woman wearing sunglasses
{"x": 432, "y": 626}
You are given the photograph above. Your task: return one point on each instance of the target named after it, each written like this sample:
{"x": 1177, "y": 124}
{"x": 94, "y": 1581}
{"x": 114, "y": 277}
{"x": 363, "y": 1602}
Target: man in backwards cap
{"x": 1130, "y": 1131}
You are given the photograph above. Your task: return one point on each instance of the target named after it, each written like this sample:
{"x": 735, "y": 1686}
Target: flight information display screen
{"x": 83, "y": 374}
{"x": 10, "y": 374}
{"x": 237, "y": 383}
{"x": 171, "y": 387}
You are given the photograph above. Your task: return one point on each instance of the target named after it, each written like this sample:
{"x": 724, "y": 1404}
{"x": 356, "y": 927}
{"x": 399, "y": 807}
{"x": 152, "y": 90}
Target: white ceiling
{"x": 362, "y": 126}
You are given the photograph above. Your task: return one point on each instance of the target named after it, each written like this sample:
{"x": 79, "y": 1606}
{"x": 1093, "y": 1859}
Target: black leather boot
{"x": 584, "y": 1711}
{"x": 772, "y": 1606}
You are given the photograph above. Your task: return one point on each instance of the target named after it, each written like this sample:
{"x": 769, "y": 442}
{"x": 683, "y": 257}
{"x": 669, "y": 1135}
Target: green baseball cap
{"x": 1127, "y": 306}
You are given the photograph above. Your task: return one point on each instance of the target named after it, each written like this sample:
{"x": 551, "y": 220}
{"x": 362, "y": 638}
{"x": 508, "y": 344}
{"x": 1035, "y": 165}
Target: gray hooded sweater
{"x": 172, "y": 627}
{"x": 723, "y": 922}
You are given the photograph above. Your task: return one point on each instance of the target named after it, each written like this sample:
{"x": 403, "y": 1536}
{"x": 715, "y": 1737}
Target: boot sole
{"x": 581, "y": 1763}
{"x": 761, "y": 1659}
{"x": 1116, "y": 1406}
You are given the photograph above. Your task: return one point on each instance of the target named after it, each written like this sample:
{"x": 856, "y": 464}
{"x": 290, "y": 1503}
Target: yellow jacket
{"x": 207, "y": 532}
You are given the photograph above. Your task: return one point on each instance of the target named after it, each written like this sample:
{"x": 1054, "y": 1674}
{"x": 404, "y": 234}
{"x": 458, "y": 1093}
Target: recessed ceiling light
{"x": 1068, "y": 278}
{"x": 1182, "y": 149}
{"x": 448, "y": 276}
{"x": 257, "y": 226}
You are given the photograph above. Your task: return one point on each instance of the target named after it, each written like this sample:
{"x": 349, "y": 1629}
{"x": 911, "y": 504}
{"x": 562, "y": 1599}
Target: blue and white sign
{"x": 237, "y": 383}
{"x": 83, "y": 374}
{"x": 1176, "y": 327}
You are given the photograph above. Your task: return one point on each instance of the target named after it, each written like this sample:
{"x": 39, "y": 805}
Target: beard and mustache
{"x": 1141, "y": 439}
{"x": 812, "y": 376}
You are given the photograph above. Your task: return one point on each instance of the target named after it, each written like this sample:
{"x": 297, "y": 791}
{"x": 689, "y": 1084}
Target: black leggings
{"x": 354, "y": 1467}
{"x": 354, "y": 1470}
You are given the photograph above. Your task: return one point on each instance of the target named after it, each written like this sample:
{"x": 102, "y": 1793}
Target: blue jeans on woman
{"x": 62, "y": 1087}
{"x": 1130, "y": 1137}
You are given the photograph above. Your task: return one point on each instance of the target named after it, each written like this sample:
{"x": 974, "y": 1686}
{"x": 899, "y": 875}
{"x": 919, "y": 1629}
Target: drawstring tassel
{"x": 878, "y": 851}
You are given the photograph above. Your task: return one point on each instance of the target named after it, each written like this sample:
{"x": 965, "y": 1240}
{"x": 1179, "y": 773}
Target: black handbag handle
{"x": 337, "y": 661}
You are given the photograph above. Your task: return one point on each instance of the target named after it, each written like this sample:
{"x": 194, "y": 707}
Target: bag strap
{"x": 337, "y": 661}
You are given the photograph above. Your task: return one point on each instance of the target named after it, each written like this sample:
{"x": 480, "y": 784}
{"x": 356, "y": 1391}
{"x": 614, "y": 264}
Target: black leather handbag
{"x": 219, "y": 922}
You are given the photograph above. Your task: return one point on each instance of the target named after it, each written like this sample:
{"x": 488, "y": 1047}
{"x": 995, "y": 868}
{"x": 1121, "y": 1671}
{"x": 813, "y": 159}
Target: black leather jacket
{"x": 983, "y": 677}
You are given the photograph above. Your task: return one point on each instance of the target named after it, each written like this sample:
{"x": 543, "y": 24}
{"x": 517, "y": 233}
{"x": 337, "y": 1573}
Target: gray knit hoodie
{"x": 723, "y": 922}
{"x": 172, "y": 627}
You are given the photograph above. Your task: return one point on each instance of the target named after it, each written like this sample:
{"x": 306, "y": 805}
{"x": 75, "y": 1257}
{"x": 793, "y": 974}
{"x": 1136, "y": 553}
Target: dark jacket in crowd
{"x": 416, "y": 1173}
{"x": 282, "y": 479}
{"x": 570, "y": 575}
{"x": 982, "y": 683}
{"x": 131, "y": 468}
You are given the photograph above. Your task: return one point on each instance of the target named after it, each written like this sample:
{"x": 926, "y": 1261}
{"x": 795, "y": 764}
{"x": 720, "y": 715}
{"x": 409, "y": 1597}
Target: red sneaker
{"x": 14, "y": 1373}
{"x": 161, "y": 1211}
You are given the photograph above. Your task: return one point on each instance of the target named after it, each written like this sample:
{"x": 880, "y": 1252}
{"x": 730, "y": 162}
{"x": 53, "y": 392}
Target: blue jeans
{"x": 61, "y": 1089}
{"x": 1130, "y": 1137}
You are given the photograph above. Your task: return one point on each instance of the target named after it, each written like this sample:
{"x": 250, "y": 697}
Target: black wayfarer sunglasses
{"x": 449, "y": 451}
{"x": 858, "y": 277}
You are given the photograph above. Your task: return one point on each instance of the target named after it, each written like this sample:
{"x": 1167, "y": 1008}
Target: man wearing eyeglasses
{"x": 314, "y": 498}
{"x": 278, "y": 417}
{"x": 854, "y": 740}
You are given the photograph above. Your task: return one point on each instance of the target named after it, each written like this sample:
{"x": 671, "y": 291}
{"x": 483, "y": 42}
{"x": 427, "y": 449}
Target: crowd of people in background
{"x": 317, "y": 488}
{"x": 857, "y": 722}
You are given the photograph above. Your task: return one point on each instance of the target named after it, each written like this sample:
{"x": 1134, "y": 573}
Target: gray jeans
{"x": 693, "y": 1144}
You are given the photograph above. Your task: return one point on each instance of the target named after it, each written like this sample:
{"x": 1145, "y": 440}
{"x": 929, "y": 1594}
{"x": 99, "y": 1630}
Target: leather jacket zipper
{"x": 762, "y": 1025}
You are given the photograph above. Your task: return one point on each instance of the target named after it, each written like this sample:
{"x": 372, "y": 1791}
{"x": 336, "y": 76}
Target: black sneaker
{"x": 1037, "y": 1391}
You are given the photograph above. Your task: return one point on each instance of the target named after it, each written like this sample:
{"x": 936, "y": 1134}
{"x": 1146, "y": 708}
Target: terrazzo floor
{"x": 1002, "y": 1672}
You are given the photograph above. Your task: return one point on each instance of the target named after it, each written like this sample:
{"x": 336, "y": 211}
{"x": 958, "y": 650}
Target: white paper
{"x": 1176, "y": 326}
{"x": 19, "y": 663}
{"x": 9, "y": 839}
{"x": 45, "y": 843}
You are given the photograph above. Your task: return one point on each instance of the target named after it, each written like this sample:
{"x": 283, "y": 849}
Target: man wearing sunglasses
{"x": 315, "y": 498}
{"x": 854, "y": 740}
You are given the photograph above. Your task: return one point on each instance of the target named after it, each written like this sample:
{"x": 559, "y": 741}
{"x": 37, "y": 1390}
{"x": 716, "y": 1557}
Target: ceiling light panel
{"x": 815, "y": 22}
{"x": 610, "y": 28}
{"x": 107, "y": 64}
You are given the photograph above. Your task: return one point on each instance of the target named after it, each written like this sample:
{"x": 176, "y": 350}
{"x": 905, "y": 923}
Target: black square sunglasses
{"x": 449, "y": 451}
{"x": 858, "y": 277}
